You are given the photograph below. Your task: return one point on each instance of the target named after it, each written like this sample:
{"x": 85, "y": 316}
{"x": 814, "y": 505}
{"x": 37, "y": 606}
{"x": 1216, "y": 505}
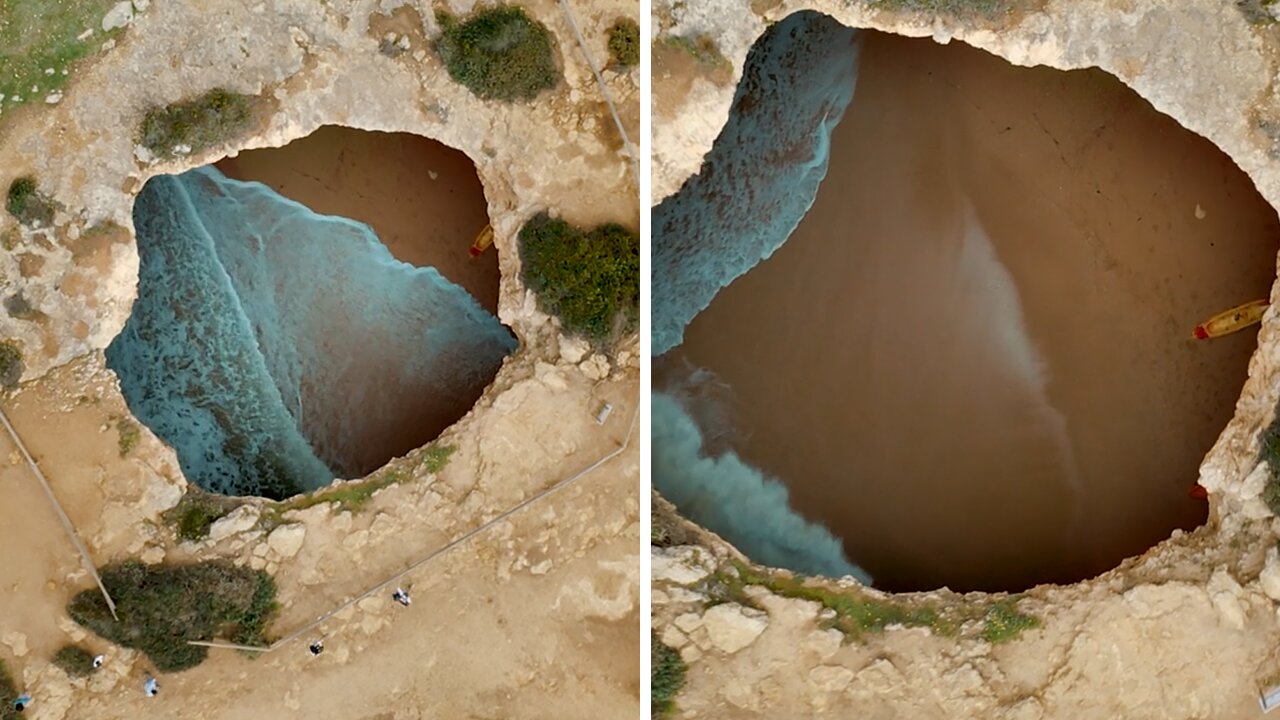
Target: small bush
{"x": 702, "y": 48}
{"x": 955, "y": 8}
{"x": 75, "y": 661}
{"x": 1271, "y": 455}
{"x": 11, "y": 366}
{"x": 624, "y": 43}
{"x": 588, "y": 279}
{"x": 8, "y": 693}
{"x": 436, "y": 457}
{"x": 1004, "y": 622}
{"x": 162, "y": 607}
{"x": 196, "y": 513}
{"x": 197, "y": 125}
{"x": 26, "y": 203}
{"x": 667, "y": 675}
{"x": 498, "y": 53}
{"x": 130, "y": 434}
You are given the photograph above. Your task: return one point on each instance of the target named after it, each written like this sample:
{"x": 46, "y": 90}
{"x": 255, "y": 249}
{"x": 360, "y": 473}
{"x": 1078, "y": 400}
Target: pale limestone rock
{"x": 688, "y": 622}
{"x": 1226, "y": 592}
{"x": 673, "y": 638}
{"x": 595, "y": 367}
{"x": 573, "y": 350}
{"x": 732, "y": 627}
{"x": 286, "y": 540}
{"x": 120, "y": 15}
{"x": 830, "y": 678}
{"x": 16, "y": 641}
{"x": 1270, "y": 576}
{"x": 1028, "y": 709}
{"x": 680, "y": 565}
{"x": 690, "y": 653}
{"x": 237, "y": 521}
{"x": 153, "y": 555}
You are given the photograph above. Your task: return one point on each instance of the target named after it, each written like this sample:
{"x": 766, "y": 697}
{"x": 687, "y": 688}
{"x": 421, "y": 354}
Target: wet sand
{"x": 972, "y": 360}
{"x": 422, "y": 198}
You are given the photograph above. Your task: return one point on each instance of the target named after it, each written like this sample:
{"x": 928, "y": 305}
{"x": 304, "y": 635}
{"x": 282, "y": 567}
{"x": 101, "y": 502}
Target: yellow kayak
{"x": 483, "y": 241}
{"x": 1235, "y": 319}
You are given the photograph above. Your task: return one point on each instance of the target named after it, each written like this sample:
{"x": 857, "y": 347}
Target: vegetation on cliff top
{"x": 624, "y": 43}
{"x": 590, "y": 279}
{"x": 667, "y": 671}
{"x": 499, "y": 53}
{"x": 75, "y": 661}
{"x": 162, "y": 607}
{"x": 196, "y": 125}
{"x": 40, "y": 41}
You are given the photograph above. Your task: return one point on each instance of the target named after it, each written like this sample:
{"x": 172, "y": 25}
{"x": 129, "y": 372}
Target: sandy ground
{"x": 923, "y": 430}
{"x": 422, "y": 198}
{"x": 483, "y": 638}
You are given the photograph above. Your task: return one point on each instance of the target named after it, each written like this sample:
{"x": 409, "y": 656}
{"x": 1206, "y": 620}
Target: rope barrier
{"x": 560, "y": 485}
{"x": 62, "y": 515}
{"x": 604, "y": 89}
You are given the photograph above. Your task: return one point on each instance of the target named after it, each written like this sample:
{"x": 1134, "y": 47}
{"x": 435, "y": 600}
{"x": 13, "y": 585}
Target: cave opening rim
{"x": 1215, "y": 515}
{"x": 210, "y": 159}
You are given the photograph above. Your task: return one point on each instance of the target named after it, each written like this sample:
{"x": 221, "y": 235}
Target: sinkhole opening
{"x": 310, "y": 312}
{"x": 927, "y": 317}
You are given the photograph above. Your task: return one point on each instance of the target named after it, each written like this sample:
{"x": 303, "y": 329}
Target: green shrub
{"x": 1003, "y": 622}
{"x": 196, "y": 513}
{"x": 498, "y": 53}
{"x": 1271, "y": 455}
{"x": 588, "y": 279}
{"x": 667, "y": 674}
{"x": 702, "y": 48}
{"x": 130, "y": 434}
{"x": 436, "y": 457}
{"x": 8, "y": 693}
{"x": 957, "y": 8}
{"x": 26, "y": 203}
{"x": 207, "y": 121}
{"x": 624, "y": 43}
{"x": 75, "y": 661}
{"x": 1257, "y": 12}
{"x": 162, "y": 607}
{"x": 11, "y": 366}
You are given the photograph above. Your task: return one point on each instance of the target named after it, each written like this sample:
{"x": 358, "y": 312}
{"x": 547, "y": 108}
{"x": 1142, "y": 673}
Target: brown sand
{"x": 994, "y": 414}
{"x": 422, "y": 198}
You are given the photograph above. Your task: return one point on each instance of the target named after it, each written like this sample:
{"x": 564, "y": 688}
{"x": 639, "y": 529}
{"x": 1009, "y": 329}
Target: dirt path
{"x": 536, "y": 618}
{"x": 981, "y": 329}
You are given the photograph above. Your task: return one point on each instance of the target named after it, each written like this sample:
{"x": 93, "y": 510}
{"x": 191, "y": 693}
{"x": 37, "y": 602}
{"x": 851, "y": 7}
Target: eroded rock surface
{"x": 1188, "y": 629}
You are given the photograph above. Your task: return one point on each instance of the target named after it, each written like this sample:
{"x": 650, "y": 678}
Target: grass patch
{"x": 351, "y": 496}
{"x": 436, "y": 457}
{"x": 624, "y": 43}
{"x": 39, "y": 36}
{"x": 162, "y": 607}
{"x": 8, "y": 693}
{"x": 956, "y": 8}
{"x": 129, "y": 435}
{"x": 856, "y": 614}
{"x": 30, "y": 206}
{"x": 75, "y": 661}
{"x": 196, "y": 513}
{"x": 588, "y": 279}
{"x": 196, "y": 125}
{"x": 498, "y": 53}
{"x": 11, "y": 366}
{"x": 1003, "y": 622}
{"x": 703, "y": 48}
{"x": 667, "y": 675}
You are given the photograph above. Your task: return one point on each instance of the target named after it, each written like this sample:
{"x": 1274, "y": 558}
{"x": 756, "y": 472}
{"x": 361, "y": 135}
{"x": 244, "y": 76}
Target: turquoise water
{"x": 276, "y": 349}
{"x": 756, "y": 184}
